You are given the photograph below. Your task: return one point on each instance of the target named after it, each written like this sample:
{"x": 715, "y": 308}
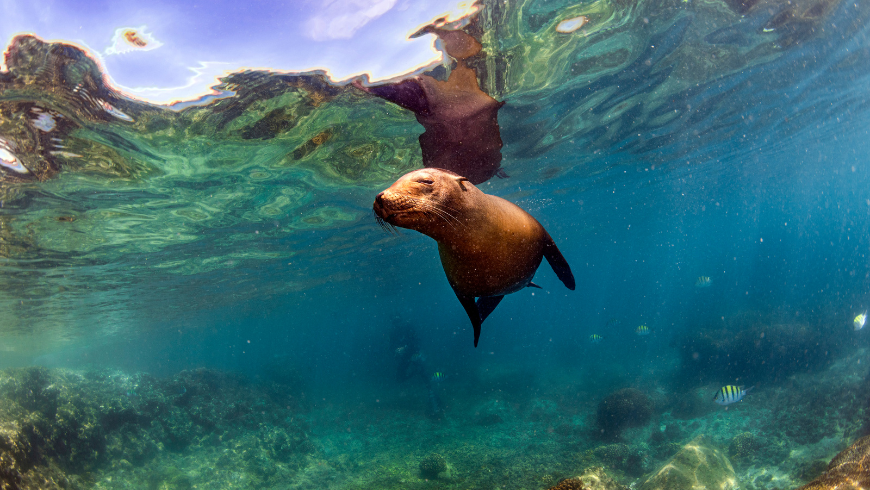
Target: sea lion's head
{"x": 428, "y": 200}
{"x": 458, "y": 44}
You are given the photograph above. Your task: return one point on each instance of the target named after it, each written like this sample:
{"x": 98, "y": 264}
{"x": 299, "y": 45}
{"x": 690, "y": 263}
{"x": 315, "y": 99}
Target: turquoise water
{"x": 200, "y": 297}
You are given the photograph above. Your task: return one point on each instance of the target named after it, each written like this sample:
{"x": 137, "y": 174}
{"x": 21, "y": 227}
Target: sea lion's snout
{"x": 388, "y": 204}
{"x": 416, "y": 202}
{"x": 379, "y": 206}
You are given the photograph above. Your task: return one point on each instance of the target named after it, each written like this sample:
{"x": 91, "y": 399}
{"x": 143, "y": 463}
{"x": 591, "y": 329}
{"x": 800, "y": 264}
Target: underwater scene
{"x": 399, "y": 244}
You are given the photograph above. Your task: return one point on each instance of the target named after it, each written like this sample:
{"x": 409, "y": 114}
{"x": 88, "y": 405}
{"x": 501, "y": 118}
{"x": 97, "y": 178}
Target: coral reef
{"x": 620, "y": 457}
{"x": 743, "y": 446}
{"x": 697, "y": 465}
{"x": 107, "y": 430}
{"x": 666, "y": 441}
{"x": 849, "y": 469}
{"x": 623, "y": 460}
{"x": 57, "y": 426}
{"x": 628, "y": 407}
{"x": 569, "y": 484}
{"x": 432, "y": 465}
{"x": 667, "y": 433}
{"x": 807, "y": 415}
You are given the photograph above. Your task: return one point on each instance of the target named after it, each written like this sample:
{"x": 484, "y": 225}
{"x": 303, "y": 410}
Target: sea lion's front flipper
{"x": 558, "y": 263}
{"x": 407, "y": 93}
{"x": 473, "y": 315}
{"x": 486, "y": 304}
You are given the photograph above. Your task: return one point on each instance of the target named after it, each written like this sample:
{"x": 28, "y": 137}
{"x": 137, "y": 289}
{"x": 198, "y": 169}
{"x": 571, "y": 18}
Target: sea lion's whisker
{"x": 444, "y": 212}
{"x": 430, "y": 209}
{"x": 450, "y": 220}
{"x": 384, "y": 224}
{"x": 434, "y": 211}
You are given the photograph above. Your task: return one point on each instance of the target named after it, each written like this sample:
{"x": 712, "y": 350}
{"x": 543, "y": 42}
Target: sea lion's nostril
{"x": 380, "y": 198}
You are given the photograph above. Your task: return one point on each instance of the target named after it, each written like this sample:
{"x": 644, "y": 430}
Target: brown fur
{"x": 489, "y": 247}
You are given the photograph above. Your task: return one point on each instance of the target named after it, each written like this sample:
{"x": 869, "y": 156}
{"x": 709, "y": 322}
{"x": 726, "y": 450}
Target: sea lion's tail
{"x": 478, "y": 311}
{"x": 558, "y": 263}
{"x": 470, "y": 307}
{"x": 486, "y": 304}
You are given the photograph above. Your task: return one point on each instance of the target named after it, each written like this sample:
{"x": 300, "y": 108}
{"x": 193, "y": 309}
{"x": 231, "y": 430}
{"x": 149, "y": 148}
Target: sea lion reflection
{"x": 460, "y": 120}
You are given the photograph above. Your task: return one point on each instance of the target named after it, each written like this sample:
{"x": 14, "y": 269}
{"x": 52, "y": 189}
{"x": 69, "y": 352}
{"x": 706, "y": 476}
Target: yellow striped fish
{"x": 703, "y": 282}
{"x": 595, "y": 338}
{"x": 860, "y": 320}
{"x": 642, "y": 330}
{"x": 730, "y": 394}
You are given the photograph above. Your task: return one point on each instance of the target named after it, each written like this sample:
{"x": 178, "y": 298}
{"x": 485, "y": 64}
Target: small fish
{"x": 703, "y": 282}
{"x": 44, "y": 122}
{"x": 9, "y": 160}
{"x": 568, "y": 26}
{"x": 613, "y": 322}
{"x": 595, "y": 338}
{"x": 418, "y": 357}
{"x": 860, "y": 320}
{"x": 113, "y": 111}
{"x": 730, "y": 394}
{"x": 438, "y": 376}
{"x": 642, "y": 330}
{"x": 133, "y": 38}
{"x": 400, "y": 350}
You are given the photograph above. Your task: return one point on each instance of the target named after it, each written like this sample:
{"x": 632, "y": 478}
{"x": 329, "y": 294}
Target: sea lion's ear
{"x": 460, "y": 180}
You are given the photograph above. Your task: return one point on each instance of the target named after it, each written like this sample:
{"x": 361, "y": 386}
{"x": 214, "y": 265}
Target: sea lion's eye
{"x": 426, "y": 181}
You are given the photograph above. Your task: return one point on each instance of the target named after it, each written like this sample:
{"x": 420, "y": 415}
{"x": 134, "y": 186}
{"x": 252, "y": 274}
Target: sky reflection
{"x": 165, "y": 51}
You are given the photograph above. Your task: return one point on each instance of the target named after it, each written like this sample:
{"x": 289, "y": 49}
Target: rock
{"x": 697, "y": 465}
{"x": 595, "y": 478}
{"x": 782, "y": 350}
{"x": 849, "y": 469}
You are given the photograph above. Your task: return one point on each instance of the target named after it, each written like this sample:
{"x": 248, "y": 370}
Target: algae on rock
{"x": 697, "y": 465}
{"x": 596, "y": 478}
{"x": 849, "y": 469}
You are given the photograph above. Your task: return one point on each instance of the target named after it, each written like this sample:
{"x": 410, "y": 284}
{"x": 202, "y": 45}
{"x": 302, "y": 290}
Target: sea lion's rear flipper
{"x": 558, "y": 263}
{"x": 473, "y": 315}
{"x": 533, "y": 285}
{"x": 485, "y": 305}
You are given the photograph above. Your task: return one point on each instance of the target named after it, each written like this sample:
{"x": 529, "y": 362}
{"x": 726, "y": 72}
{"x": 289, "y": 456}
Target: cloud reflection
{"x": 341, "y": 19}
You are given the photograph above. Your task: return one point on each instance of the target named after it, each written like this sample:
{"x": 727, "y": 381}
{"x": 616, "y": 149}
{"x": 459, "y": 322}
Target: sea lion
{"x": 460, "y": 120}
{"x": 489, "y": 247}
